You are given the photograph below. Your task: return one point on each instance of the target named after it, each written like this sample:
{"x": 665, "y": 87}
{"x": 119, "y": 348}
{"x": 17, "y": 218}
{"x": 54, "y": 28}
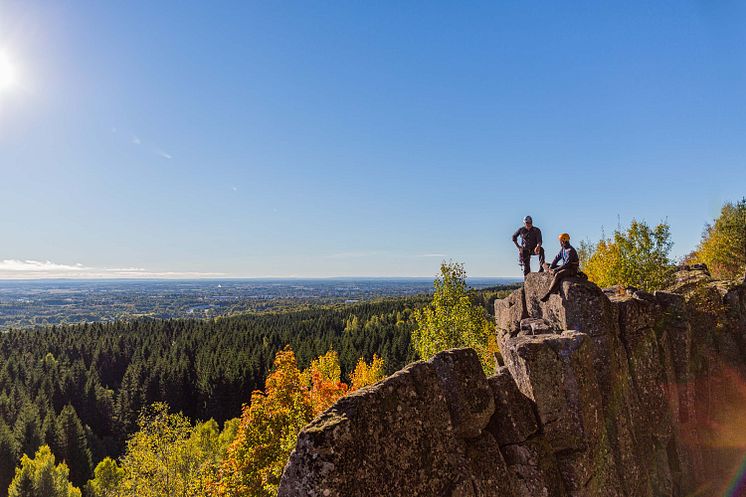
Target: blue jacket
{"x": 567, "y": 256}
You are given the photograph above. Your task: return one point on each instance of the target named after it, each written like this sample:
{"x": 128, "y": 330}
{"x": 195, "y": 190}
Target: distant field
{"x": 46, "y": 302}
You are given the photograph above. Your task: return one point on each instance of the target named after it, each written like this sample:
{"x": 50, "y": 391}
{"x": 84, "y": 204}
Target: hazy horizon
{"x": 246, "y": 278}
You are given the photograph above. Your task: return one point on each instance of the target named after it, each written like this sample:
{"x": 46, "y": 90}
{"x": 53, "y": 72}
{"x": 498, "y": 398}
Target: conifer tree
{"x": 8, "y": 457}
{"x": 27, "y": 429}
{"x": 49, "y": 431}
{"x": 72, "y": 445}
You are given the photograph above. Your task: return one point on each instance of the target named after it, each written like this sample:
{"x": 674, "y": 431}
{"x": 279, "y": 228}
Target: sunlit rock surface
{"x": 603, "y": 393}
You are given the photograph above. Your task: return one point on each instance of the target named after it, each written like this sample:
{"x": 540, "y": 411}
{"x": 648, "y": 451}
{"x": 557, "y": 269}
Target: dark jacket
{"x": 530, "y": 238}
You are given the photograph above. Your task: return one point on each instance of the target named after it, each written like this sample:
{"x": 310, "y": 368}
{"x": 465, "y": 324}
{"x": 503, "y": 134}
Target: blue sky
{"x": 357, "y": 138}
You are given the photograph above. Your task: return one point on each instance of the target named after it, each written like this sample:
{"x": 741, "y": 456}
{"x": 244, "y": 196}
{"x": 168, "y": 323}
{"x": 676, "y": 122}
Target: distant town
{"x": 48, "y": 302}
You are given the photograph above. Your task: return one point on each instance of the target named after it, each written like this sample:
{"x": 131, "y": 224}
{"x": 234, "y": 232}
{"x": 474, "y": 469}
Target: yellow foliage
{"x": 723, "y": 245}
{"x": 40, "y": 477}
{"x": 367, "y": 374}
{"x": 637, "y": 256}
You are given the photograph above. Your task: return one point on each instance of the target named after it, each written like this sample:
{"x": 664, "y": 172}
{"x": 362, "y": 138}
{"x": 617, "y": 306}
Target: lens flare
{"x": 737, "y": 486}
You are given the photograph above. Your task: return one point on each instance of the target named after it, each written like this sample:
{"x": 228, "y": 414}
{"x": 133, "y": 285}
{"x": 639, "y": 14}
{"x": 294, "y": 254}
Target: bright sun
{"x": 8, "y": 73}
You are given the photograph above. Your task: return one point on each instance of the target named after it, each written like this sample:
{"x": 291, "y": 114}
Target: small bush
{"x": 637, "y": 256}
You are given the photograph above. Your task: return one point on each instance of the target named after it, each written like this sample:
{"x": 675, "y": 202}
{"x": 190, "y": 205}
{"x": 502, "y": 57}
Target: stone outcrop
{"x": 603, "y": 393}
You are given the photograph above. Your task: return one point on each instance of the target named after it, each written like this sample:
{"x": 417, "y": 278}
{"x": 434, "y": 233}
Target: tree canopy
{"x": 636, "y": 256}
{"x": 454, "y": 319}
{"x": 723, "y": 245}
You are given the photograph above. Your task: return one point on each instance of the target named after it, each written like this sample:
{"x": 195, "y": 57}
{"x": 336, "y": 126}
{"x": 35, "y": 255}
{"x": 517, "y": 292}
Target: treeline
{"x": 81, "y": 389}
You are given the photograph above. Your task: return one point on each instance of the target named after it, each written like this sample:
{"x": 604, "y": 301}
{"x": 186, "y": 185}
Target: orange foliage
{"x": 269, "y": 426}
{"x": 267, "y": 433}
{"x": 326, "y": 385}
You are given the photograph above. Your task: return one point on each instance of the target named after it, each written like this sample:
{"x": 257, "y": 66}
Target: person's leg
{"x": 556, "y": 281}
{"x": 526, "y": 258}
{"x": 541, "y": 259}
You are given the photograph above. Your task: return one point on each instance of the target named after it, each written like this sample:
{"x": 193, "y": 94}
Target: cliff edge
{"x": 599, "y": 393}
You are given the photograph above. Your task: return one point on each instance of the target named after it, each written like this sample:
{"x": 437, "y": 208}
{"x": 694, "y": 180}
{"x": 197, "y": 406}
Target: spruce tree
{"x": 27, "y": 429}
{"x": 8, "y": 457}
{"x": 72, "y": 446}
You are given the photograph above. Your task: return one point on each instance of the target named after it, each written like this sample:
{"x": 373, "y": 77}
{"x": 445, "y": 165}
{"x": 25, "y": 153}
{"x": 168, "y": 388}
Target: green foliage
{"x": 637, "y": 256}
{"x": 106, "y": 479}
{"x": 72, "y": 446}
{"x": 28, "y": 429}
{"x": 723, "y": 245}
{"x": 39, "y": 477}
{"x": 80, "y": 389}
{"x": 453, "y": 319}
{"x": 9, "y": 454}
{"x": 166, "y": 457}
{"x": 107, "y": 372}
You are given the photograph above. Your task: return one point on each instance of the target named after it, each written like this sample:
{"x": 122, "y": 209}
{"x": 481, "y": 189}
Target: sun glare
{"x": 8, "y": 73}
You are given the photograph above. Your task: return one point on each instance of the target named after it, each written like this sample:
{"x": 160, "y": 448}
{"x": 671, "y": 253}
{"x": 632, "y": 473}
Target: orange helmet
{"x": 564, "y": 237}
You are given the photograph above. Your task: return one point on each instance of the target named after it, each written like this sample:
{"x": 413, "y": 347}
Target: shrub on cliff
{"x": 453, "y": 319}
{"x": 723, "y": 245}
{"x": 637, "y": 256}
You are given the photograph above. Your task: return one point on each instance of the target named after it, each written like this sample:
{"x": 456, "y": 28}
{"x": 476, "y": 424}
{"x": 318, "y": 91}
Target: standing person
{"x": 570, "y": 265}
{"x": 530, "y": 245}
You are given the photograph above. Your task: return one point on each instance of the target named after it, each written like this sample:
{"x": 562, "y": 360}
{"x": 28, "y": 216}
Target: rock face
{"x": 617, "y": 393}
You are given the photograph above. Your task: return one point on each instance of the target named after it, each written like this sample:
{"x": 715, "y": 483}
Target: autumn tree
{"x": 40, "y": 477}
{"x": 453, "y": 319}
{"x": 636, "y": 256}
{"x": 324, "y": 375}
{"x": 267, "y": 432}
{"x": 723, "y": 245}
{"x": 166, "y": 457}
{"x": 367, "y": 374}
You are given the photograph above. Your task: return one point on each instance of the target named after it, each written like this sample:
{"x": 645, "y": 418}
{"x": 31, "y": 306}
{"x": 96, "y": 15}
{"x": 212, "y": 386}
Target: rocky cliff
{"x": 598, "y": 393}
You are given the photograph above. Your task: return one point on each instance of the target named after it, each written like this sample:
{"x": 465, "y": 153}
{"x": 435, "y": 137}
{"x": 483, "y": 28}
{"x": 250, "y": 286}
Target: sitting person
{"x": 566, "y": 264}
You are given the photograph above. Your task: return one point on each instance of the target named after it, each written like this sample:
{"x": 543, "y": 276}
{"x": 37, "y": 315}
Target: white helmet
{"x": 528, "y": 219}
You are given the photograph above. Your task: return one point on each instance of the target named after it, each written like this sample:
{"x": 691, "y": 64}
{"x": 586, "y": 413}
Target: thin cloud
{"x": 136, "y": 140}
{"x": 13, "y": 265}
{"x": 431, "y": 255}
{"x": 17, "y": 269}
{"x": 352, "y": 255}
{"x": 163, "y": 154}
